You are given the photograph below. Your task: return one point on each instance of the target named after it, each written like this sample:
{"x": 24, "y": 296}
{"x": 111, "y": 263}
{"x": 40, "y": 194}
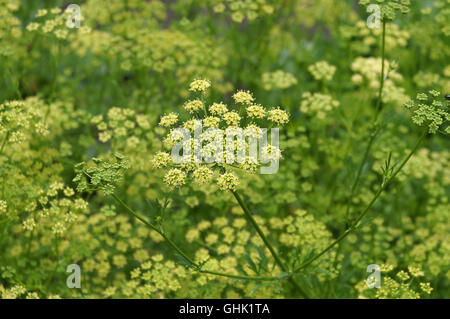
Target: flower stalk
{"x": 188, "y": 259}
{"x": 278, "y": 261}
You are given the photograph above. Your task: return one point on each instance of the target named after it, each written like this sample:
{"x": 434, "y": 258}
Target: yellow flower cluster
{"x": 389, "y": 8}
{"x": 154, "y": 278}
{"x": 278, "y": 80}
{"x": 169, "y": 120}
{"x": 243, "y": 9}
{"x": 3, "y": 207}
{"x": 317, "y": 104}
{"x": 316, "y": 12}
{"x": 363, "y": 39}
{"x": 278, "y": 116}
{"x": 10, "y": 30}
{"x": 224, "y": 122}
{"x": 126, "y": 127}
{"x": 218, "y": 109}
{"x": 256, "y": 111}
{"x": 159, "y": 50}
{"x": 367, "y": 74}
{"x": 322, "y": 71}
{"x": 400, "y": 287}
{"x": 227, "y": 181}
{"x": 193, "y": 106}
{"x": 199, "y": 85}
{"x": 20, "y": 118}
{"x": 53, "y": 22}
{"x": 243, "y": 97}
{"x": 430, "y": 110}
{"x": 54, "y": 209}
{"x": 426, "y": 80}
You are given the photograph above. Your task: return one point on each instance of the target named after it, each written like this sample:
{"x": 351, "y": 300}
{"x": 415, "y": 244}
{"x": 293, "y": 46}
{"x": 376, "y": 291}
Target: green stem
{"x": 4, "y": 142}
{"x": 383, "y": 57}
{"x": 278, "y": 261}
{"x": 15, "y": 83}
{"x": 56, "y": 71}
{"x": 55, "y": 268}
{"x": 30, "y": 241}
{"x": 204, "y": 104}
{"x": 169, "y": 241}
{"x": 184, "y": 255}
{"x": 259, "y": 278}
{"x": 372, "y": 137}
{"x": 132, "y": 212}
{"x": 378, "y": 109}
{"x": 354, "y": 225}
{"x": 358, "y": 174}
{"x": 249, "y": 216}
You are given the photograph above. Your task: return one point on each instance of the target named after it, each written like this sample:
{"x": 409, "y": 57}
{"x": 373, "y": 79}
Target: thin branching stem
{"x": 383, "y": 58}
{"x": 239, "y": 277}
{"x": 56, "y": 70}
{"x": 189, "y": 260}
{"x": 355, "y": 224}
{"x": 373, "y": 135}
{"x": 278, "y": 261}
{"x": 5, "y": 139}
{"x": 15, "y": 83}
{"x": 375, "y": 125}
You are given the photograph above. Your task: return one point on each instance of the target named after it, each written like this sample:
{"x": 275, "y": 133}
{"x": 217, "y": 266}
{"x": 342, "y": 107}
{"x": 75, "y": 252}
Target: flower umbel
{"x": 199, "y": 85}
{"x": 430, "y": 110}
{"x": 102, "y": 175}
{"x": 223, "y": 149}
